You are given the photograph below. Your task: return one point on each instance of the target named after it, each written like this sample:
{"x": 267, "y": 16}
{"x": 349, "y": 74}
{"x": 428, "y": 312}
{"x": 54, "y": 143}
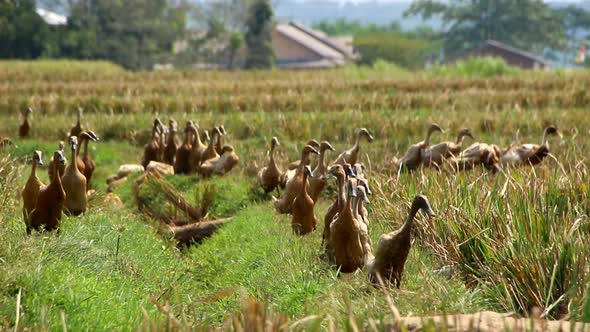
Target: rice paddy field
{"x": 514, "y": 241}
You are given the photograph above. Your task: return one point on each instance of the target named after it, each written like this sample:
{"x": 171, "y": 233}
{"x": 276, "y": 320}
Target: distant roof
{"x": 514, "y": 50}
{"x": 52, "y": 18}
{"x": 320, "y": 35}
{"x": 309, "y": 41}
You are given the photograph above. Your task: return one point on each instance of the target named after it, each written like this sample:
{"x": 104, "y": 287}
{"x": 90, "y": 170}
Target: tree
{"x": 236, "y": 40}
{"x": 576, "y": 21}
{"x": 133, "y": 33}
{"x": 258, "y": 36}
{"x": 527, "y": 24}
{"x": 23, "y": 33}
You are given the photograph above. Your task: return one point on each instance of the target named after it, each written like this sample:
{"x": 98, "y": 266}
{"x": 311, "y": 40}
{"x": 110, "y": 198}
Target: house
{"x": 298, "y": 47}
{"x": 511, "y": 55}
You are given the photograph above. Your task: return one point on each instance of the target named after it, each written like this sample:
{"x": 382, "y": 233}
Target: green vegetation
{"x": 476, "y": 67}
{"x": 259, "y": 36}
{"x": 510, "y": 241}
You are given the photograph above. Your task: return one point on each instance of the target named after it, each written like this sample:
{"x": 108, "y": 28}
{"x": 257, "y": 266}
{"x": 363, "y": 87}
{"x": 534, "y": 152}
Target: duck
{"x": 292, "y": 167}
{"x": 210, "y": 151}
{"x": 86, "y": 164}
{"x": 23, "y": 130}
{"x": 219, "y": 145}
{"x": 171, "y": 143}
{"x": 222, "y": 164}
{"x": 50, "y": 201}
{"x": 477, "y": 154}
{"x": 303, "y": 221}
{"x": 351, "y": 156}
{"x": 361, "y": 214}
{"x": 529, "y": 154}
{"x": 413, "y": 157}
{"x": 433, "y": 156}
{"x": 393, "y": 248}
{"x": 294, "y": 164}
{"x": 32, "y": 187}
{"x": 269, "y": 176}
{"x": 345, "y": 248}
{"x": 74, "y": 183}
{"x": 285, "y": 203}
{"x": 181, "y": 160}
{"x": 341, "y": 173}
{"x": 151, "y": 150}
{"x": 77, "y": 128}
{"x": 61, "y": 167}
{"x": 316, "y": 182}
{"x": 198, "y": 148}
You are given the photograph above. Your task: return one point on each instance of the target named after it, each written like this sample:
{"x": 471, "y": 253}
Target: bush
{"x": 480, "y": 66}
{"x": 392, "y": 47}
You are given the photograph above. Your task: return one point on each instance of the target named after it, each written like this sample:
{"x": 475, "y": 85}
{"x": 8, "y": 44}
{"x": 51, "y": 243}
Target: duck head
{"x": 421, "y": 203}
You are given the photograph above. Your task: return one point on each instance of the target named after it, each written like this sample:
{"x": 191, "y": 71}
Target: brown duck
{"x": 181, "y": 161}
{"x": 74, "y": 184}
{"x": 86, "y": 164}
{"x": 393, "y": 248}
{"x": 61, "y": 167}
{"x": 293, "y": 187}
{"x": 23, "y": 130}
{"x": 317, "y": 183}
{"x": 197, "y": 148}
{"x": 351, "y": 156}
{"x": 171, "y": 143}
{"x": 344, "y": 248}
{"x": 32, "y": 188}
{"x": 529, "y": 154}
{"x": 433, "y": 156}
{"x": 48, "y": 210}
{"x": 151, "y": 150}
{"x": 77, "y": 128}
{"x": 303, "y": 221}
{"x": 413, "y": 157}
{"x": 222, "y": 164}
{"x": 269, "y": 176}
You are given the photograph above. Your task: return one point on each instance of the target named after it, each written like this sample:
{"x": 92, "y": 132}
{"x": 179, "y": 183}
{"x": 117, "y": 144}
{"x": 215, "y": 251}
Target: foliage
{"x": 393, "y": 47}
{"x": 478, "y": 66}
{"x": 23, "y": 33}
{"x": 258, "y": 36}
{"x": 527, "y": 24}
{"x": 342, "y": 26}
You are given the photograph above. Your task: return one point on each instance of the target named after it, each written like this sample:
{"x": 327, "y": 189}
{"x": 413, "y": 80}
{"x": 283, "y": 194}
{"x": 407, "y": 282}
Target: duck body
{"x": 32, "y": 188}
{"x": 303, "y": 221}
{"x": 317, "y": 183}
{"x": 285, "y": 203}
{"x": 181, "y": 160}
{"x": 477, "y": 154}
{"x": 412, "y": 159}
{"x": 393, "y": 248}
{"x": 50, "y": 202}
{"x": 151, "y": 151}
{"x": 222, "y": 164}
{"x": 74, "y": 185}
{"x": 23, "y": 130}
{"x": 528, "y": 154}
{"x": 172, "y": 144}
{"x": 269, "y": 176}
{"x": 435, "y": 155}
{"x": 345, "y": 248}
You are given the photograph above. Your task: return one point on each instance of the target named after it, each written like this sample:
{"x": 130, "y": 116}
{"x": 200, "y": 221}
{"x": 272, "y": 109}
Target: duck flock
{"x": 346, "y": 240}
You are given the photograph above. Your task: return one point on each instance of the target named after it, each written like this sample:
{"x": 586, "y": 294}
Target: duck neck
{"x": 197, "y": 137}
{"x": 428, "y": 134}
{"x": 85, "y": 148}
{"x": 341, "y": 190}
{"x": 460, "y": 138}
{"x": 545, "y": 140}
{"x": 321, "y": 167}
{"x": 357, "y": 143}
{"x": 407, "y": 227}
{"x": 75, "y": 153}
{"x": 272, "y": 154}
{"x": 348, "y": 206}
{"x": 34, "y": 169}
{"x": 355, "y": 207}
{"x": 305, "y": 184}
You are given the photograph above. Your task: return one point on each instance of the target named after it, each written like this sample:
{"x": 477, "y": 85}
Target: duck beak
{"x": 366, "y": 200}
{"x": 353, "y": 191}
{"x": 331, "y": 148}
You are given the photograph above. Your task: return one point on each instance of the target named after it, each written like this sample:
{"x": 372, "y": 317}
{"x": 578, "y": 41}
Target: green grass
{"x": 515, "y": 240}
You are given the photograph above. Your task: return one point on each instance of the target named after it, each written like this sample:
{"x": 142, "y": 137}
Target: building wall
{"x": 288, "y": 50}
{"x": 510, "y": 58}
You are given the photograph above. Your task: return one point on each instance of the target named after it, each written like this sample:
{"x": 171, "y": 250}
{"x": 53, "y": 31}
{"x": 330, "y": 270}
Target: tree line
{"x": 237, "y": 33}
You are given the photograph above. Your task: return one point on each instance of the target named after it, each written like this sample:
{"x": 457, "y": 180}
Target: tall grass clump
{"x": 522, "y": 240}
{"x": 477, "y": 66}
